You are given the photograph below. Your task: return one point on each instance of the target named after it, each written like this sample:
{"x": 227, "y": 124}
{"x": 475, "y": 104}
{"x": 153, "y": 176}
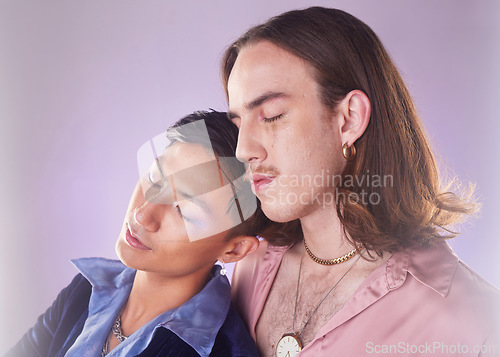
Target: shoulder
{"x": 475, "y": 296}
{"x": 57, "y": 329}
{"x": 233, "y": 338}
{"x": 440, "y": 269}
{"x": 79, "y": 284}
{"x": 250, "y": 264}
{"x": 251, "y": 271}
{"x": 466, "y": 276}
{"x": 167, "y": 343}
{"x": 72, "y": 301}
{"x": 471, "y": 307}
{"x": 443, "y": 285}
{"x": 77, "y": 293}
{"x": 248, "y": 269}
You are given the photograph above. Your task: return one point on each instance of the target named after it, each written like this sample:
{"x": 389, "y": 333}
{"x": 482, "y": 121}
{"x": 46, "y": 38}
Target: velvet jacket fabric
{"x": 56, "y": 331}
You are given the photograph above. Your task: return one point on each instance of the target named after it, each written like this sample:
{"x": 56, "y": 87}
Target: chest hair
{"x": 277, "y": 315}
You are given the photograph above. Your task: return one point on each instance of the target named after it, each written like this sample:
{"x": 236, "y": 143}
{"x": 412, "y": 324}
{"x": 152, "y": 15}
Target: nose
{"x": 250, "y": 146}
{"x": 148, "y": 215}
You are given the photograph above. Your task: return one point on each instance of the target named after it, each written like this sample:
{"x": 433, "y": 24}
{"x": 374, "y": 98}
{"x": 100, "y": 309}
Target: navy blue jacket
{"x": 57, "y": 329}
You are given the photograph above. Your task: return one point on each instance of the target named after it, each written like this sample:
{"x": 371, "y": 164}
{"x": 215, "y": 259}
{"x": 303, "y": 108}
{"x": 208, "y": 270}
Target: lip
{"x": 132, "y": 239}
{"x": 260, "y": 182}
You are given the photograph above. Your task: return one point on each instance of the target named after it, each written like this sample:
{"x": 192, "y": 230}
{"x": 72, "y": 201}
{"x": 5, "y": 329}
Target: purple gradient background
{"x": 85, "y": 83}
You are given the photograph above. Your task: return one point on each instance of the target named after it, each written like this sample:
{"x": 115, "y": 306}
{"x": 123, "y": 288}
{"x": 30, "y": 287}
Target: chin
{"x": 279, "y": 209}
{"x": 130, "y": 261}
{"x": 278, "y": 213}
{"x": 119, "y": 249}
{"x": 124, "y": 253}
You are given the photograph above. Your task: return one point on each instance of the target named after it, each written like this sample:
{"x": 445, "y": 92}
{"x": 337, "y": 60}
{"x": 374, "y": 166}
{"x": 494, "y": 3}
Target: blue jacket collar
{"x": 196, "y": 322}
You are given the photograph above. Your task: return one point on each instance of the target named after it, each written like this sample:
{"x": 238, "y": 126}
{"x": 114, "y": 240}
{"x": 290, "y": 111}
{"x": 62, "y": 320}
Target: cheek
{"x": 284, "y": 140}
{"x": 188, "y": 256}
{"x": 172, "y": 229}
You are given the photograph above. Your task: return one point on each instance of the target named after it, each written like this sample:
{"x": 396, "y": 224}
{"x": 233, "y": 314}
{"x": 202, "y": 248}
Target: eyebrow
{"x": 266, "y": 97}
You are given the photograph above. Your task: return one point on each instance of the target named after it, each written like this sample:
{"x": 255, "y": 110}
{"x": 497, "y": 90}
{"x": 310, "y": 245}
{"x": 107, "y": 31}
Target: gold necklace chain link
{"x": 338, "y": 260}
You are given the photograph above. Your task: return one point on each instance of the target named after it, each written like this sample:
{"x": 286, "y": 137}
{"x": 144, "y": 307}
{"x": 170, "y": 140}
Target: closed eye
{"x": 178, "y": 209}
{"x": 183, "y": 216}
{"x": 270, "y": 120}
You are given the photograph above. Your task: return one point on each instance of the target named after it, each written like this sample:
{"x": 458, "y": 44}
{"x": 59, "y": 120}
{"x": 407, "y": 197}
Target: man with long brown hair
{"x": 335, "y": 147}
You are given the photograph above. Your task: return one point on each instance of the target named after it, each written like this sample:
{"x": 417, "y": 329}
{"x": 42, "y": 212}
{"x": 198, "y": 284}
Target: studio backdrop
{"x": 84, "y": 83}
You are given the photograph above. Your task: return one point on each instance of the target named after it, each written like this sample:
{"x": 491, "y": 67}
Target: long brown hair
{"x": 346, "y": 55}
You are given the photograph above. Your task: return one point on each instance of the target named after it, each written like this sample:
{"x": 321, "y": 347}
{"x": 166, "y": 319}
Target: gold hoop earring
{"x": 349, "y": 152}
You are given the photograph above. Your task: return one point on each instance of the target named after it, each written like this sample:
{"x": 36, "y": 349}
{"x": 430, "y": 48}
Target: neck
{"x": 152, "y": 294}
{"x": 324, "y": 235}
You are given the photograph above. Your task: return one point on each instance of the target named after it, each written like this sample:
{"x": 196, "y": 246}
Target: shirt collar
{"x": 196, "y": 322}
{"x": 105, "y": 273}
{"x": 432, "y": 266}
{"x": 199, "y": 319}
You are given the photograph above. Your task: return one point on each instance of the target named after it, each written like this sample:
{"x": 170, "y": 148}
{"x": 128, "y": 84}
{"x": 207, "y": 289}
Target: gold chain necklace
{"x": 338, "y": 260}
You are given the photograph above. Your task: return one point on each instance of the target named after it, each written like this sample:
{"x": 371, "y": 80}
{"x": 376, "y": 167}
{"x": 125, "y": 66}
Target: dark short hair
{"x": 223, "y": 136}
{"x": 344, "y": 55}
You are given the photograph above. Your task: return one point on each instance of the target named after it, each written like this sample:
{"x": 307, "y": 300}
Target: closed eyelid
{"x": 260, "y": 117}
{"x": 231, "y": 115}
{"x": 273, "y": 118}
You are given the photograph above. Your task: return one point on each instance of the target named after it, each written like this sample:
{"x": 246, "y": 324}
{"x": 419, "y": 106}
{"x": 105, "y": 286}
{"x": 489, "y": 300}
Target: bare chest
{"x": 310, "y": 310}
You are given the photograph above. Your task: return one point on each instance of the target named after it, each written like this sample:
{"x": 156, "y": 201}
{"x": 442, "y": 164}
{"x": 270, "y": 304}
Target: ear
{"x": 355, "y": 108}
{"x": 238, "y": 248}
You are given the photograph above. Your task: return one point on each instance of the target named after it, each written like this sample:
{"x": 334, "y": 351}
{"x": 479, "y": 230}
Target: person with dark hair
{"x": 165, "y": 297}
{"x": 336, "y": 149}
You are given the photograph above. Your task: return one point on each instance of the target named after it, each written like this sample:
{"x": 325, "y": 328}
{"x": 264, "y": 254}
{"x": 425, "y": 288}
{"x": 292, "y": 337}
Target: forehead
{"x": 264, "y": 67}
{"x": 180, "y": 156}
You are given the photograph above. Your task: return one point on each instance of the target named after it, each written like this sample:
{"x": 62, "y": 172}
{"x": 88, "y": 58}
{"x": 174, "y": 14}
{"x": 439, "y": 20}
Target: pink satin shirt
{"x": 421, "y": 302}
